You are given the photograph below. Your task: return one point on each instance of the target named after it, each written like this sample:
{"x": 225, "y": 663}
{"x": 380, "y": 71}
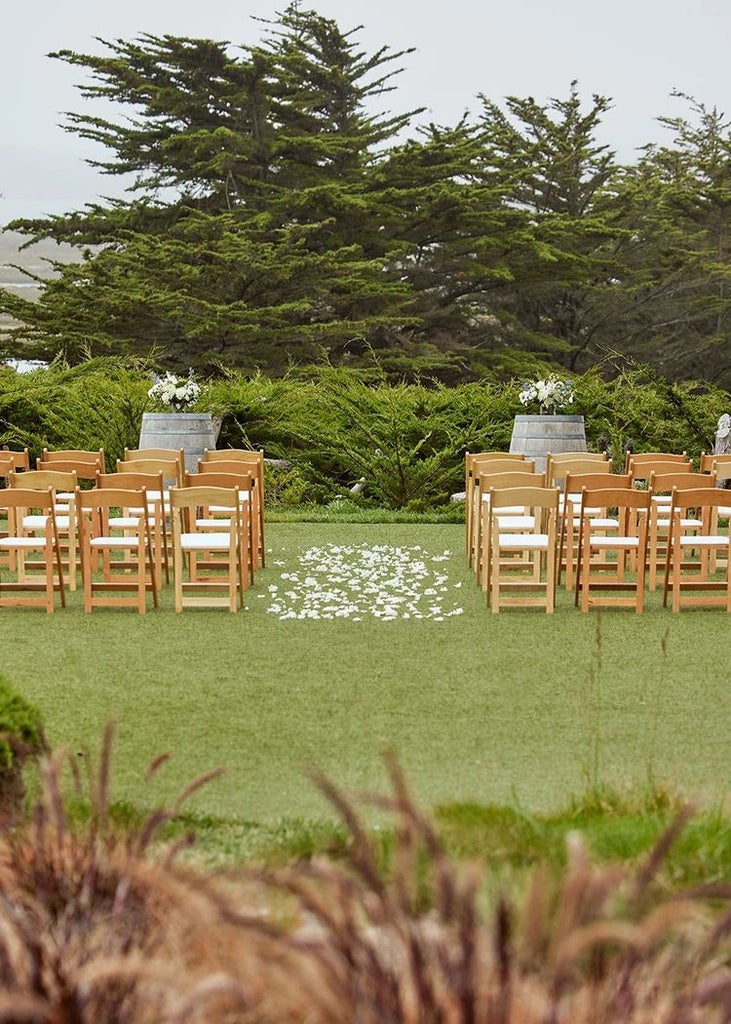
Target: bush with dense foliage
{"x": 21, "y": 738}
{"x": 333, "y": 427}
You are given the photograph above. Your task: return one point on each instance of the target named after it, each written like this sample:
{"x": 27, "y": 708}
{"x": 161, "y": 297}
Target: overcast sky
{"x": 634, "y": 51}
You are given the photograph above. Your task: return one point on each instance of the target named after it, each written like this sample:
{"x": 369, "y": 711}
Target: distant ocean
{"x": 17, "y": 209}
{"x": 13, "y": 260}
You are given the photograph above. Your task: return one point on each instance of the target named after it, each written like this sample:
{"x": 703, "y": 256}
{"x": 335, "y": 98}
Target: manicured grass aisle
{"x": 520, "y": 708}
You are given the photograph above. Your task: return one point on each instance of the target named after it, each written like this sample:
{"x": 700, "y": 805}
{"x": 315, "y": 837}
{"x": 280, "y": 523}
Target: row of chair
{"x": 125, "y": 523}
{"x": 603, "y": 530}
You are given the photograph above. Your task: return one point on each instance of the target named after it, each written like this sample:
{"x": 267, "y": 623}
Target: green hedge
{"x": 336, "y": 427}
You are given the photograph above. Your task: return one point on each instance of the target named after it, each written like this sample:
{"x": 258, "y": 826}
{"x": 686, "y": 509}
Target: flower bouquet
{"x": 177, "y": 394}
{"x": 551, "y": 394}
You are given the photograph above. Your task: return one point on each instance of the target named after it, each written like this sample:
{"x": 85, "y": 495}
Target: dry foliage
{"x": 97, "y": 925}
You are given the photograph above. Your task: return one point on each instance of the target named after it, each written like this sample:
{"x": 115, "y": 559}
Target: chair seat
{"x": 39, "y": 522}
{"x": 112, "y": 542}
{"x": 516, "y": 522}
{"x": 18, "y": 543}
{"x": 508, "y": 510}
{"x": 207, "y": 542}
{"x": 707, "y": 541}
{"x": 599, "y": 523}
{"x": 519, "y": 541}
{"x": 687, "y": 523}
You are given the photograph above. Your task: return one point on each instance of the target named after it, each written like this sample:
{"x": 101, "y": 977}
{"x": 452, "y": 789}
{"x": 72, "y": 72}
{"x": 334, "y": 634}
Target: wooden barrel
{"x": 536, "y": 436}
{"x": 191, "y": 431}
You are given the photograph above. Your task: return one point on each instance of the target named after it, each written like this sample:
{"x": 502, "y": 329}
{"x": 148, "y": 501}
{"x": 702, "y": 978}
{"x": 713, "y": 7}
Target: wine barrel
{"x": 536, "y": 436}
{"x": 191, "y": 431}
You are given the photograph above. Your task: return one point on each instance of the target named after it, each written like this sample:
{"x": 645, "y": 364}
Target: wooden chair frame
{"x": 632, "y": 514}
{"x": 470, "y": 460}
{"x": 522, "y": 577}
{"x": 681, "y": 576}
{"x": 63, "y": 484}
{"x": 643, "y": 458}
{"x": 661, "y": 487}
{"x": 80, "y": 455}
{"x": 143, "y": 454}
{"x": 157, "y": 515}
{"x": 97, "y": 510}
{"x": 558, "y": 464}
{"x": 482, "y": 469}
{"x": 230, "y": 543}
{"x": 214, "y": 518}
{"x": 13, "y": 461}
{"x": 19, "y": 501}
{"x": 10, "y": 462}
{"x": 570, "y": 514}
{"x": 246, "y": 457}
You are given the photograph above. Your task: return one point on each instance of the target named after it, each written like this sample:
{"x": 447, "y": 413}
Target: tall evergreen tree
{"x": 251, "y": 238}
{"x": 674, "y": 289}
{"x": 550, "y": 165}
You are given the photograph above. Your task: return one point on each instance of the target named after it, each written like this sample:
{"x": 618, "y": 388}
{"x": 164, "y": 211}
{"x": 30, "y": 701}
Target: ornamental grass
{"x": 101, "y": 924}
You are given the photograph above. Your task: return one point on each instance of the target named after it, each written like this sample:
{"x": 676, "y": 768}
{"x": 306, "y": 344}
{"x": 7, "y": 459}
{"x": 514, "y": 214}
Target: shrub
{"x": 99, "y": 925}
{"x": 405, "y": 441}
{"x": 21, "y": 738}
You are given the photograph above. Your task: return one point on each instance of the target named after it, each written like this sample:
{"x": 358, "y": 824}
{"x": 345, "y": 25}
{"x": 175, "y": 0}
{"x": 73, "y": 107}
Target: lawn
{"x": 520, "y": 708}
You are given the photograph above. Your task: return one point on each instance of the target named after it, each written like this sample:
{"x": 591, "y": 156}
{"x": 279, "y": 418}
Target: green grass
{"x": 519, "y": 709}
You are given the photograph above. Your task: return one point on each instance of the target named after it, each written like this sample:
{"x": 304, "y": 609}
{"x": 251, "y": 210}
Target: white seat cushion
{"x": 205, "y": 542}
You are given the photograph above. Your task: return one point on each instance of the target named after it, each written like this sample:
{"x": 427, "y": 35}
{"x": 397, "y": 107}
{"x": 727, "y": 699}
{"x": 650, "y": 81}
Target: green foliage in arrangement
{"x": 400, "y": 445}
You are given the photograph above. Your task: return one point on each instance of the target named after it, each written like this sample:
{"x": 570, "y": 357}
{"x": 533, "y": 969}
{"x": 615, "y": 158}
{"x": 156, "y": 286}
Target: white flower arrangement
{"x": 176, "y": 393}
{"x": 551, "y": 393}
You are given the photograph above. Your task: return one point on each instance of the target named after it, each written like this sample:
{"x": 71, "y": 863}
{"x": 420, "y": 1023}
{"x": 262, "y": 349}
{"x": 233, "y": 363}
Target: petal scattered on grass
{"x": 359, "y": 580}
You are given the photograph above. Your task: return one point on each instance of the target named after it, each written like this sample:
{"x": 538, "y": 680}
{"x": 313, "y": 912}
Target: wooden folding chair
{"x": 531, "y": 579}
{"x": 63, "y": 484}
{"x": 481, "y": 469}
{"x": 153, "y": 486}
{"x": 80, "y": 457}
{"x": 661, "y": 487}
{"x": 135, "y": 571}
{"x": 693, "y": 577}
{"x": 249, "y": 469}
{"x": 141, "y": 454}
{"x": 570, "y": 513}
{"x": 214, "y": 517}
{"x": 518, "y": 475}
{"x": 558, "y": 464}
{"x": 10, "y": 462}
{"x": 470, "y": 460}
{"x": 721, "y": 466}
{"x": 229, "y": 542}
{"x": 640, "y": 463}
{"x": 247, "y": 458}
{"x": 22, "y": 504}
{"x": 595, "y": 578}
